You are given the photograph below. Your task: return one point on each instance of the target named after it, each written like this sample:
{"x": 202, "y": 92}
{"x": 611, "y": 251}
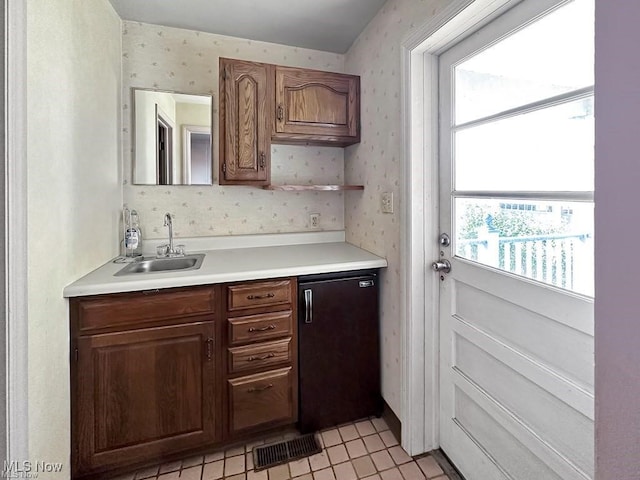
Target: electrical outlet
{"x": 386, "y": 200}
{"x": 314, "y": 220}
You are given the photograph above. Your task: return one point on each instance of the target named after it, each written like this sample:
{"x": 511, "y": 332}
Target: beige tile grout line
{"x": 345, "y": 433}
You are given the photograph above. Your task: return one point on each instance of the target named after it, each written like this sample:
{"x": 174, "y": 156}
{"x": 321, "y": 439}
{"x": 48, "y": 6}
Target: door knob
{"x": 443, "y": 266}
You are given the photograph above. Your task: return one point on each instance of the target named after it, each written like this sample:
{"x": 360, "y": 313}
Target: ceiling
{"x": 328, "y": 25}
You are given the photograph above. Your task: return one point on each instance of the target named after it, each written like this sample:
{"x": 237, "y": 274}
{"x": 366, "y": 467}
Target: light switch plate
{"x": 386, "y": 199}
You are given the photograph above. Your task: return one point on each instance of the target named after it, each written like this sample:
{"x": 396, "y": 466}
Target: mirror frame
{"x": 180, "y": 134}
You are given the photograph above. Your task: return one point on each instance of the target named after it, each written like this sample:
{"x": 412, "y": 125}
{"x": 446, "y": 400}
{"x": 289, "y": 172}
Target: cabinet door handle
{"x": 262, "y": 329}
{"x": 262, "y": 160}
{"x": 151, "y": 292}
{"x": 260, "y": 357}
{"x": 209, "y": 343}
{"x": 260, "y": 297}
{"x": 280, "y": 114}
{"x": 260, "y": 389}
{"x": 308, "y": 306}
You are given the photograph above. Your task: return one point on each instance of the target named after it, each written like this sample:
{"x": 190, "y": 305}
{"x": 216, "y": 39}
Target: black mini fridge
{"x": 338, "y": 349}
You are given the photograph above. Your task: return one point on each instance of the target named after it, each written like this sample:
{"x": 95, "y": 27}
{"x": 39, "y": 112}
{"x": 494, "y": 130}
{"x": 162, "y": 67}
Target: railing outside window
{"x": 562, "y": 260}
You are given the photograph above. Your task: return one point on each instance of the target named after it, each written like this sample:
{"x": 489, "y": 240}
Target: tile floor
{"x": 361, "y": 450}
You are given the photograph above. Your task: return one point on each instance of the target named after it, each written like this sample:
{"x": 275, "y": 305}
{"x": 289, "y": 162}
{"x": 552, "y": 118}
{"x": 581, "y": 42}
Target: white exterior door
{"x": 516, "y": 201}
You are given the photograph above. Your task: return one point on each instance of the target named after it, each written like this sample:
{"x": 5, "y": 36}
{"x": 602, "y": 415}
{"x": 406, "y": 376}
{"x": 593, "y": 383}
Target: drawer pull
{"x": 209, "y": 348}
{"x": 262, "y": 329}
{"x": 260, "y": 389}
{"x": 151, "y": 292}
{"x": 260, "y": 297}
{"x": 260, "y": 357}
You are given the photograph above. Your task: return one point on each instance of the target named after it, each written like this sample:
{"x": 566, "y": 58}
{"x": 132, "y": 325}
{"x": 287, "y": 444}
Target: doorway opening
{"x": 164, "y": 150}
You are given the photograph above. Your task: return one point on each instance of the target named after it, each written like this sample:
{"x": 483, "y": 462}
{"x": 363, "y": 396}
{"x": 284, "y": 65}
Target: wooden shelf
{"x": 317, "y": 188}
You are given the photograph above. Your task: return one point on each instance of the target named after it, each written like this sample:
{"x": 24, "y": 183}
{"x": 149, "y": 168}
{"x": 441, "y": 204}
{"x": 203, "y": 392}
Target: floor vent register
{"x": 267, "y": 456}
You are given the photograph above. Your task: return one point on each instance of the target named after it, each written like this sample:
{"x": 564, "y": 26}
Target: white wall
{"x": 375, "y": 162}
{"x": 617, "y": 305}
{"x": 193, "y": 114}
{"x": 145, "y": 128}
{"x": 74, "y": 193}
{"x": 186, "y": 61}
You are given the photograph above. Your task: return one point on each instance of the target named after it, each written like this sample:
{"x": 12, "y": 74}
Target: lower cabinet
{"x": 261, "y": 361}
{"x": 162, "y": 373}
{"x": 145, "y": 377}
{"x": 144, "y": 393}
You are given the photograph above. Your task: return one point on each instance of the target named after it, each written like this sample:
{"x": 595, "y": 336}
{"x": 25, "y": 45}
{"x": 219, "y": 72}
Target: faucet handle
{"x": 162, "y": 250}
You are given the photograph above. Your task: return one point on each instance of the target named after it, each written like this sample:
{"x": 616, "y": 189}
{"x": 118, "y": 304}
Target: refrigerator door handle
{"x": 308, "y": 306}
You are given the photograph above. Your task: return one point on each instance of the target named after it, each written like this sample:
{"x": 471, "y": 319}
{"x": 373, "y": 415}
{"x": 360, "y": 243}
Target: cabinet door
{"x": 314, "y": 105}
{"x": 142, "y": 394}
{"x": 245, "y": 122}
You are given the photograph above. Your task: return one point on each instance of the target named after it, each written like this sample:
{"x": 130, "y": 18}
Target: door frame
{"x": 419, "y": 176}
{"x": 15, "y": 232}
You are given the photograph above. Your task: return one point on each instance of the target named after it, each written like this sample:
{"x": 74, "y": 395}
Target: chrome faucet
{"x": 168, "y": 223}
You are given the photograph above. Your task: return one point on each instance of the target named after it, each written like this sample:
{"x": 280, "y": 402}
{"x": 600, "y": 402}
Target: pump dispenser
{"x": 132, "y": 234}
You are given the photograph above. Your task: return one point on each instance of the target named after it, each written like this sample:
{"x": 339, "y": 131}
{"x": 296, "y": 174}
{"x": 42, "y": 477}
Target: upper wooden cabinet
{"x": 246, "y": 93}
{"x": 314, "y": 107}
{"x": 262, "y": 104}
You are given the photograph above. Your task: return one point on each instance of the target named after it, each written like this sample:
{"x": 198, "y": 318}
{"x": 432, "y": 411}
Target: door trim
{"x": 15, "y": 234}
{"x": 419, "y": 124}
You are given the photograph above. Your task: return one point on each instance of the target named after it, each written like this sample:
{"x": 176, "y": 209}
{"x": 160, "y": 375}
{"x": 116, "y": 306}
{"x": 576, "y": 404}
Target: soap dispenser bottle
{"x": 133, "y": 235}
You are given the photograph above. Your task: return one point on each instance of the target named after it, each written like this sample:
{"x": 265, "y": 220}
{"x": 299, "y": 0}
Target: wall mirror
{"x": 172, "y": 138}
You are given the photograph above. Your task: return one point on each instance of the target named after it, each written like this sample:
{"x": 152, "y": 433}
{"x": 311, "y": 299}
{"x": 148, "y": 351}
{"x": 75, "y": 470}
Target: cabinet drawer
{"x": 262, "y": 355}
{"x": 261, "y": 399}
{"x": 119, "y": 310}
{"x": 260, "y": 327}
{"x": 258, "y": 294}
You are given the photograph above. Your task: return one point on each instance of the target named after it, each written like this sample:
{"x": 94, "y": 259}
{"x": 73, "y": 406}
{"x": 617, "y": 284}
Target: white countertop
{"x": 234, "y": 264}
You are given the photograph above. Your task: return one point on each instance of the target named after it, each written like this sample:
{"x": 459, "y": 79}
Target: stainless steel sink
{"x": 158, "y": 265}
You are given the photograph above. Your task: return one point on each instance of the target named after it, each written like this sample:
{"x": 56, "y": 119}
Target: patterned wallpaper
{"x": 187, "y": 61}
{"x": 173, "y": 59}
{"x": 375, "y": 162}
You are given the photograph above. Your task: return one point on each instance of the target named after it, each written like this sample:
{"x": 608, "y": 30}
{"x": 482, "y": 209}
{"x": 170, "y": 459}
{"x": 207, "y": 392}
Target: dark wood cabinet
{"x": 144, "y": 393}
{"x": 315, "y": 107}
{"x": 159, "y": 374}
{"x": 261, "y": 371}
{"x": 144, "y": 377}
{"x": 246, "y": 92}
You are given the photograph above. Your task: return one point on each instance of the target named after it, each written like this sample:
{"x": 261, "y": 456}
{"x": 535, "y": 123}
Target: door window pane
{"x": 549, "y": 57}
{"x": 547, "y": 241}
{"x": 545, "y": 150}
